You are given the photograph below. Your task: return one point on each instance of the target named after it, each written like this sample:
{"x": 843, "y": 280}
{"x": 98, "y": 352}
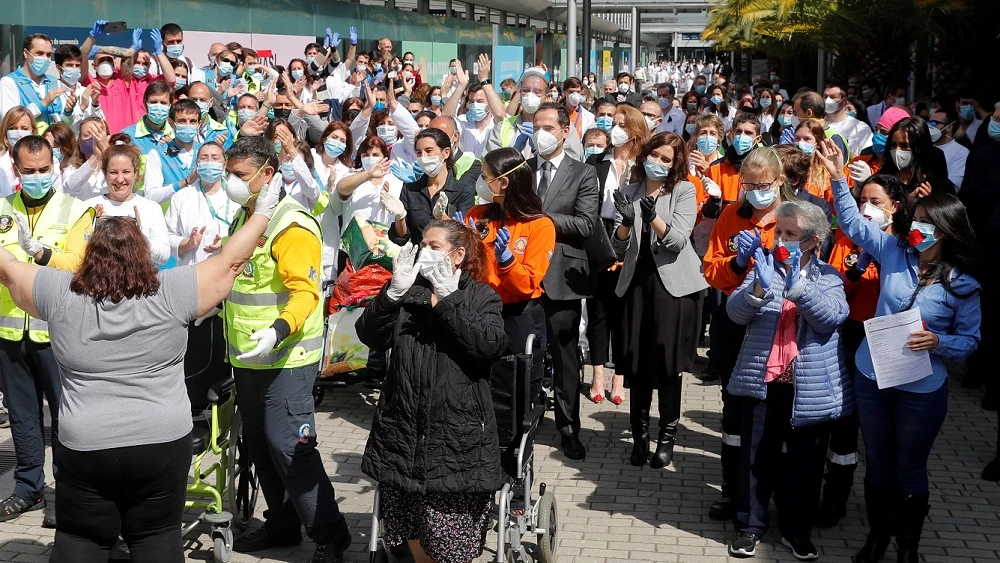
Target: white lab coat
{"x": 189, "y": 209}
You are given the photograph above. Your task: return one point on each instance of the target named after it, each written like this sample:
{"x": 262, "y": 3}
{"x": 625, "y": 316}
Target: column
{"x": 570, "y": 40}
{"x": 586, "y": 38}
{"x": 634, "y": 59}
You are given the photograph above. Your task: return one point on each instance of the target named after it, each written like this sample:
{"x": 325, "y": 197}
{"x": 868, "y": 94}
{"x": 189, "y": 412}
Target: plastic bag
{"x": 353, "y": 288}
{"x": 344, "y": 351}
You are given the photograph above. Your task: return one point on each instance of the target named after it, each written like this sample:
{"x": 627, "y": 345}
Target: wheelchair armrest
{"x": 220, "y": 389}
{"x": 531, "y": 419}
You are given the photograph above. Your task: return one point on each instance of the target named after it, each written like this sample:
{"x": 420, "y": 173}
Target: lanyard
{"x": 211, "y": 208}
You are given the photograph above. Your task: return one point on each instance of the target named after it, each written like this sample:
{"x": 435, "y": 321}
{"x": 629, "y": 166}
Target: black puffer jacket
{"x": 435, "y": 429}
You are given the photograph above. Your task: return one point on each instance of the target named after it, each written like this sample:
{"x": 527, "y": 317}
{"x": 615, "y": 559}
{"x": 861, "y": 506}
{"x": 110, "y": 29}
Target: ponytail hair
{"x": 120, "y": 144}
{"x": 459, "y": 235}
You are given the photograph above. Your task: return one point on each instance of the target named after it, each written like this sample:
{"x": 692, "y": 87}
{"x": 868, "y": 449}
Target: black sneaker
{"x": 332, "y": 552}
{"x": 265, "y": 538}
{"x": 745, "y": 545}
{"x": 803, "y": 550}
{"x": 722, "y": 509}
{"x": 49, "y": 520}
{"x": 14, "y": 506}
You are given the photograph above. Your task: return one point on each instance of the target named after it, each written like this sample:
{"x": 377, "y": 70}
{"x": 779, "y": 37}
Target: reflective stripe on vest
{"x": 258, "y": 297}
{"x": 507, "y": 131}
{"x": 51, "y": 229}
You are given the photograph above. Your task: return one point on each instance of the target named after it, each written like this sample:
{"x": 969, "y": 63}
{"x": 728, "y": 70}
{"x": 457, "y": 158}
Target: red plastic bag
{"x": 354, "y": 287}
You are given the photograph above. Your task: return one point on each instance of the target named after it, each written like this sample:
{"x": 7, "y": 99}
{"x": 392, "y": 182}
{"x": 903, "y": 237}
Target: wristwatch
{"x": 486, "y": 82}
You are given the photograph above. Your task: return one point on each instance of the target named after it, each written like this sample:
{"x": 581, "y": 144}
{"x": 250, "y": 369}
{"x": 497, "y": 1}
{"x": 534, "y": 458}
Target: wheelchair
{"x": 225, "y": 489}
{"x": 517, "y": 427}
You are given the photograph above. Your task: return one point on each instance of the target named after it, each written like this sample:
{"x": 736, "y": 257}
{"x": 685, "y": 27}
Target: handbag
{"x": 598, "y": 247}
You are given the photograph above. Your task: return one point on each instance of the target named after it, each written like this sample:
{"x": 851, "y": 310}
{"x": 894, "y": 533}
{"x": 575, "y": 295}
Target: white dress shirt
{"x": 956, "y": 155}
{"x": 556, "y": 161}
{"x": 191, "y": 209}
{"x": 155, "y": 190}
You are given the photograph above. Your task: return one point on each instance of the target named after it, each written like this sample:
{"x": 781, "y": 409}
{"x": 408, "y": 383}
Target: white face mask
{"x": 618, "y": 136}
{"x": 105, "y": 69}
{"x": 876, "y": 215}
{"x": 623, "y": 87}
{"x": 431, "y": 165}
{"x": 935, "y": 134}
{"x": 483, "y": 191}
{"x": 651, "y": 123}
{"x": 545, "y": 143}
{"x": 237, "y": 190}
{"x": 428, "y": 259}
{"x": 530, "y": 102}
{"x": 575, "y": 99}
{"x": 903, "y": 159}
{"x": 368, "y": 161}
{"x": 831, "y": 105}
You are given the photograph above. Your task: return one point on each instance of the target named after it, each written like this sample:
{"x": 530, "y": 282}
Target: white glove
{"x": 394, "y": 205}
{"x": 268, "y": 198}
{"x": 711, "y": 188}
{"x": 440, "y": 211}
{"x": 28, "y": 244}
{"x": 208, "y": 315}
{"x": 860, "y": 171}
{"x": 404, "y": 271}
{"x": 445, "y": 281}
{"x": 266, "y": 339}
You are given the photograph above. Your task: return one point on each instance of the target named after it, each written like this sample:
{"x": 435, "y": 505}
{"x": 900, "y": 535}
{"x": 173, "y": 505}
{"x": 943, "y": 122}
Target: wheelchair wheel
{"x": 243, "y": 487}
{"x": 547, "y": 528}
{"x": 318, "y": 394}
{"x": 222, "y": 545}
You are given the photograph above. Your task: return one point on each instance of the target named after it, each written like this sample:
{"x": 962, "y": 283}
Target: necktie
{"x": 543, "y": 185}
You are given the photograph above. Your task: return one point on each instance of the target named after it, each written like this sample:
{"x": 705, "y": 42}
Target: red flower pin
{"x": 781, "y": 253}
{"x": 915, "y": 238}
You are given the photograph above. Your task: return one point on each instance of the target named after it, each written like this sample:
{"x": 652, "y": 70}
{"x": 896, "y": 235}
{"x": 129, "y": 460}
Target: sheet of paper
{"x": 894, "y": 363}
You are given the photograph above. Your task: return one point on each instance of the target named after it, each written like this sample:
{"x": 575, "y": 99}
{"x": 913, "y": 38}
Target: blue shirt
{"x": 955, "y": 320}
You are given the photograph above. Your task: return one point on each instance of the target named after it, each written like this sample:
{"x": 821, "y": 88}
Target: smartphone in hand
{"x": 115, "y": 27}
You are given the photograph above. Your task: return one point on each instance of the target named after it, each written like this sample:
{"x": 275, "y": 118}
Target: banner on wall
{"x": 436, "y": 57}
{"x": 507, "y": 63}
{"x": 593, "y": 61}
{"x": 606, "y": 63}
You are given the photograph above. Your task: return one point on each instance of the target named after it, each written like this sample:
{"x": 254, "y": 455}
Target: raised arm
{"x": 19, "y": 278}
{"x": 451, "y": 107}
{"x": 493, "y": 100}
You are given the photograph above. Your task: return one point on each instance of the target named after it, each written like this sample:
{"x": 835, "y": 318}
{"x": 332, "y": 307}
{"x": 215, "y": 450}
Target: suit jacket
{"x": 676, "y": 261}
{"x": 571, "y": 202}
{"x": 633, "y": 99}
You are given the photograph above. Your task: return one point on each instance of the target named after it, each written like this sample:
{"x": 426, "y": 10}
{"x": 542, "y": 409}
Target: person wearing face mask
{"x": 792, "y": 305}
{"x": 941, "y": 126}
{"x": 120, "y": 163}
{"x": 671, "y": 117}
{"x": 930, "y": 266}
{"x": 721, "y": 178}
{"x": 30, "y": 87}
{"x": 171, "y": 44}
{"x": 969, "y": 119}
{"x": 796, "y": 166}
{"x": 871, "y": 160}
{"x": 738, "y": 232}
{"x": 768, "y": 108}
{"x": 78, "y": 101}
{"x": 209, "y": 130}
{"x": 482, "y": 104}
{"x": 596, "y": 142}
{"x": 915, "y": 162}
{"x": 122, "y": 89}
{"x": 883, "y": 202}
{"x": 517, "y": 130}
{"x": 443, "y": 325}
{"x": 274, "y": 327}
{"x": 661, "y": 286}
{"x": 857, "y": 134}
{"x": 34, "y": 214}
{"x": 199, "y": 215}
{"x": 807, "y": 135}
{"x": 16, "y": 124}
{"x": 296, "y": 169}
{"x": 623, "y": 91}
{"x": 895, "y": 96}
{"x": 809, "y": 105}
{"x": 383, "y": 116}
{"x": 154, "y": 128}
{"x": 573, "y": 99}
{"x": 171, "y": 166}
{"x": 465, "y": 166}
{"x": 569, "y": 193}
{"x": 604, "y": 115}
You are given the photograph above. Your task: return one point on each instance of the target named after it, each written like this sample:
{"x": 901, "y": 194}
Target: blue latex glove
{"x": 327, "y": 38}
{"x": 794, "y": 271}
{"x": 763, "y": 268}
{"x": 137, "y": 39}
{"x": 405, "y": 171}
{"x": 863, "y": 260}
{"x": 154, "y": 35}
{"x": 98, "y": 29}
{"x": 354, "y": 35}
{"x": 746, "y": 245}
{"x": 527, "y": 128}
{"x": 336, "y": 39}
{"x": 501, "y": 248}
{"x": 93, "y": 51}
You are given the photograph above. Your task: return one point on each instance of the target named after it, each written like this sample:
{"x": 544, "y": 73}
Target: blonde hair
{"x": 767, "y": 161}
{"x": 635, "y": 126}
{"x": 13, "y": 116}
{"x": 709, "y": 120}
{"x": 819, "y": 176}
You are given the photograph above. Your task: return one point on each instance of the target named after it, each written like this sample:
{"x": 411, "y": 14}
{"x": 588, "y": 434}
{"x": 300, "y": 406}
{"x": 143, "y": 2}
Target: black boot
{"x": 836, "y": 492}
{"x": 664, "y": 447}
{"x": 878, "y": 505}
{"x": 640, "y": 437}
{"x": 912, "y": 512}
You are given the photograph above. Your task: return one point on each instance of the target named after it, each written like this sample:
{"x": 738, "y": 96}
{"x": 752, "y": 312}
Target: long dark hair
{"x": 897, "y": 193}
{"x": 923, "y": 155}
{"x": 958, "y": 250}
{"x": 442, "y": 141}
{"x": 459, "y": 235}
{"x": 679, "y": 168}
{"x": 520, "y": 201}
{"x": 116, "y": 263}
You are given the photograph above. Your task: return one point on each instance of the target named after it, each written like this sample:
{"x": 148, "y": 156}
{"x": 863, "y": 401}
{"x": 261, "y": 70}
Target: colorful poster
{"x": 606, "y": 63}
{"x": 507, "y": 63}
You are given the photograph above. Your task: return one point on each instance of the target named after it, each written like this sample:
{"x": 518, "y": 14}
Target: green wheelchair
{"x": 224, "y": 483}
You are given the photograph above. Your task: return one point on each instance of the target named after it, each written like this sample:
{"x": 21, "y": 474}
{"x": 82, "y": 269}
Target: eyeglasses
{"x": 651, "y": 115}
{"x": 759, "y": 186}
{"x": 230, "y": 61}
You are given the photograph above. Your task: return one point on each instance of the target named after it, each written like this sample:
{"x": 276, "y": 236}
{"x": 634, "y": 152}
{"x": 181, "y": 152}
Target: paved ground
{"x": 610, "y": 511}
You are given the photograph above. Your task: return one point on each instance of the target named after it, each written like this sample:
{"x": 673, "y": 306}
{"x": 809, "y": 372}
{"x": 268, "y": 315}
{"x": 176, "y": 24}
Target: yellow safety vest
{"x": 58, "y": 216}
{"x": 258, "y": 297}
{"x": 507, "y": 130}
{"x": 463, "y": 164}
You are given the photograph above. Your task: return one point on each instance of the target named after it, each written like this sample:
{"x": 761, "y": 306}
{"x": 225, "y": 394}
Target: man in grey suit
{"x": 568, "y": 189}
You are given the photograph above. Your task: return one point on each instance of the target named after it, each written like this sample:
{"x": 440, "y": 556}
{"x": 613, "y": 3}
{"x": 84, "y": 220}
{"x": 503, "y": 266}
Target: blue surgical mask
{"x": 71, "y": 76}
{"x": 287, "y": 170}
{"x": 655, "y": 170}
{"x": 967, "y": 112}
{"x": 878, "y": 143}
{"x": 742, "y": 144}
{"x": 180, "y": 83}
{"x": 476, "y": 113}
{"x": 591, "y": 151}
{"x": 435, "y": 100}
{"x": 761, "y": 199}
{"x": 310, "y": 60}
{"x": 994, "y": 130}
{"x": 700, "y": 89}
{"x": 15, "y": 135}
{"x": 792, "y": 246}
{"x": 851, "y": 114}
{"x": 210, "y": 172}
{"x": 56, "y": 153}
{"x": 707, "y": 145}
{"x": 157, "y": 113}
{"x": 785, "y": 120}
{"x": 605, "y": 122}
{"x": 716, "y": 100}
{"x": 297, "y": 75}
{"x": 203, "y": 106}
{"x": 277, "y": 146}
{"x": 333, "y": 147}
{"x": 921, "y": 236}
{"x": 225, "y": 68}
{"x": 368, "y": 161}
{"x": 379, "y": 105}
{"x": 37, "y": 185}
{"x": 689, "y": 128}
{"x": 140, "y": 71}
{"x": 175, "y": 51}
{"x": 453, "y": 70}
{"x": 806, "y": 147}
{"x": 245, "y": 115}
{"x": 186, "y": 133}
{"x": 765, "y": 102}
{"x": 40, "y": 64}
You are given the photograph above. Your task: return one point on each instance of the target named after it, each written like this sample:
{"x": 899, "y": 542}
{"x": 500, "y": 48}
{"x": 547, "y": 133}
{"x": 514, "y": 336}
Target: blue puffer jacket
{"x": 823, "y": 390}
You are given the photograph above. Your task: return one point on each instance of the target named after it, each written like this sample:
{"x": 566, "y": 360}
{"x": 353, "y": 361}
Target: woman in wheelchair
{"x": 519, "y": 240}
{"x": 118, "y": 329}
{"x": 433, "y": 445}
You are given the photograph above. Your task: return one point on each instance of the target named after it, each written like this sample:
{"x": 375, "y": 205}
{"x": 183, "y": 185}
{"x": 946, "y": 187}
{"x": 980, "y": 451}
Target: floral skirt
{"x": 451, "y": 527}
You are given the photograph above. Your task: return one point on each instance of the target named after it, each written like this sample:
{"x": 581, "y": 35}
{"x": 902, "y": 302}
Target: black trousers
{"x": 727, "y": 338}
{"x": 280, "y": 430}
{"x": 842, "y": 460}
{"x": 604, "y": 320}
{"x": 137, "y": 492}
{"x": 28, "y": 372}
{"x": 562, "y": 322}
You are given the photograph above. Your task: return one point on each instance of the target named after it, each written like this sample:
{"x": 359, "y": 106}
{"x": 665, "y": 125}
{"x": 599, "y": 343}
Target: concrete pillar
{"x": 570, "y": 39}
{"x": 447, "y": 8}
{"x": 674, "y": 42}
{"x": 503, "y": 18}
{"x": 586, "y": 37}
{"x": 634, "y": 59}
{"x": 820, "y": 69}
{"x": 423, "y": 6}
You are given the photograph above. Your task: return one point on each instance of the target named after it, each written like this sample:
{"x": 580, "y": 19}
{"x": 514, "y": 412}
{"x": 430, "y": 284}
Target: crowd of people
{"x": 147, "y": 199}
